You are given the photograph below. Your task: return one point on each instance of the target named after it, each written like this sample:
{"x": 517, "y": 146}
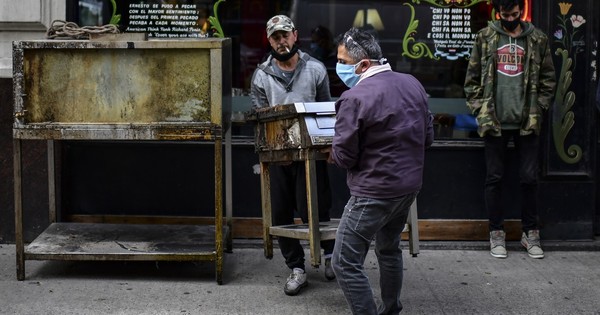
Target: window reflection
{"x": 431, "y": 42}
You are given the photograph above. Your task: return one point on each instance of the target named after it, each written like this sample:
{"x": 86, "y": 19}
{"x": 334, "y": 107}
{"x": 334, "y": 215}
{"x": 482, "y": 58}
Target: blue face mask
{"x": 347, "y": 73}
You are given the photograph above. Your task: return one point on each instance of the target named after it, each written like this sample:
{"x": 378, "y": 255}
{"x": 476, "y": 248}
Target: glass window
{"x": 430, "y": 39}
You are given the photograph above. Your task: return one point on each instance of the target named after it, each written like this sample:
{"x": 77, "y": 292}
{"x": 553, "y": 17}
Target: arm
{"x": 323, "y": 93}
{"x": 257, "y": 91}
{"x": 547, "y": 79}
{"x": 429, "y": 138}
{"x": 345, "y": 147}
{"x": 473, "y": 89}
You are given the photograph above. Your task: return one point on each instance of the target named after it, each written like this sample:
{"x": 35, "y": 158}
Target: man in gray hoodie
{"x": 509, "y": 84}
{"x": 288, "y": 76}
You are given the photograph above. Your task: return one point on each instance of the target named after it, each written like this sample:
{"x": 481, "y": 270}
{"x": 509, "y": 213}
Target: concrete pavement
{"x": 444, "y": 279}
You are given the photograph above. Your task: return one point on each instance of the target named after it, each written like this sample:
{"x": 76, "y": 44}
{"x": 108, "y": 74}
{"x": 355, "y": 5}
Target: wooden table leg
{"x": 228, "y": 192}
{"x": 18, "y": 210}
{"x": 313, "y": 213}
{"x": 219, "y": 211}
{"x": 265, "y": 189}
{"x": 413, "y": 233}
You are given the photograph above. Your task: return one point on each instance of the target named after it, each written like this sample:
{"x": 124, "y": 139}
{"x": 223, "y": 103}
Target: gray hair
{"x": 360, "y": 45}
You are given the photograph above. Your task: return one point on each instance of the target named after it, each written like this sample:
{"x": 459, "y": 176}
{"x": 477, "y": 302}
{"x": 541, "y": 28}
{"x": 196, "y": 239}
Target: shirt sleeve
{"x": 429, "y": 137}
{"x": 257, "y": 91}
{"x": 473, "y": 88}
{"x": 345, "y": 147}
{"x": 323, "y": 93}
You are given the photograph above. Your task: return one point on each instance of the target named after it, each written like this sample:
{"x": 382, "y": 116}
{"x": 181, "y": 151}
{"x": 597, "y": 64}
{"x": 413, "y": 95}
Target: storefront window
{"x": 430, "y": 39}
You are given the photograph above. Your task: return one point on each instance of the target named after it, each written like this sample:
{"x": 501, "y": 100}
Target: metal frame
{"x": 139, "y": 242}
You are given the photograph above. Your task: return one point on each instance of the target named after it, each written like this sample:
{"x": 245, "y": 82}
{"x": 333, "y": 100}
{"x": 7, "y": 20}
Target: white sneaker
{"x": 497, "y": 244}
{"x": 531, "y": 241}
{"x": 295, "y": 282}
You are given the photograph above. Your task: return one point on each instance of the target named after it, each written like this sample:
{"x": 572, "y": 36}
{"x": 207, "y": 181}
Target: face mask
{"x": 347, "y": 73}
{"x": 510, "y": 25}
{"x": 286, "y": 56}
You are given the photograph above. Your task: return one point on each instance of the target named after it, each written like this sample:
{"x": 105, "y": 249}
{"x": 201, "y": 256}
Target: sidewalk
{"x": 438, "y": 281}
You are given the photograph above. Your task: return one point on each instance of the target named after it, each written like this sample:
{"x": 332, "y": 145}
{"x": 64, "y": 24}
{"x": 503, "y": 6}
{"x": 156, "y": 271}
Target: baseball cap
{"x": 279, "y": 23}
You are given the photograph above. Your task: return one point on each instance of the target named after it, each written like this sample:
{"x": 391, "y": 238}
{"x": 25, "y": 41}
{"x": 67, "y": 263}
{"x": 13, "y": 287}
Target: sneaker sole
{"x": 530, "y": 255}
{"x": 536, "y": 256}
{"x": 297, "y": 289}
{"x": 498, "y": 255}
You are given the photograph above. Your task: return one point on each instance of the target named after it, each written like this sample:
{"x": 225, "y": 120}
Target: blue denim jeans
{"x": 363, "y": 220}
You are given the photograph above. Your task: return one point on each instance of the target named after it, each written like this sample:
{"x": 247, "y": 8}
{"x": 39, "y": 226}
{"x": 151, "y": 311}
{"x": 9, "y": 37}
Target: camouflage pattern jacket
{"x": 480, "y": 82}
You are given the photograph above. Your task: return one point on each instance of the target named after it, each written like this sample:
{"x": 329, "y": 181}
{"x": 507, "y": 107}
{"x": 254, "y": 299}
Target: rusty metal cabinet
{"x": 120, "y": 91}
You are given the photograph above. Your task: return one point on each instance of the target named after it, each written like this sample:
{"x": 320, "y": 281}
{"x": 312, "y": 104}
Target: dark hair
{"x": 360, "y": 44}
{"x": 507, "y": 4}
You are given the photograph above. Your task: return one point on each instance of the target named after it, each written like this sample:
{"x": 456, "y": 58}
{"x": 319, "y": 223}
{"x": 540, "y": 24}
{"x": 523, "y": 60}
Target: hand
{"x": 328, "y": 152}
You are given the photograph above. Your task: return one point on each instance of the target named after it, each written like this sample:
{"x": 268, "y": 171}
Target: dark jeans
{"x": 527, "y": 148}
{"x": 288, "y": 193}
{"x": 365, "y": 219}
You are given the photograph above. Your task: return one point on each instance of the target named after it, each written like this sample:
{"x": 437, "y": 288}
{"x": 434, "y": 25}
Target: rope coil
{"x": 69, "y": 30}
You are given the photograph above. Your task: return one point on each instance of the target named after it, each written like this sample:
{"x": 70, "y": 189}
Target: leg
{"x": 389, "y": 256}
{"x": 323, "y": 197}
{"x": 349, "y": 254}
{"x": 363, "y": 218}
{"x": 283, "y": 179}
{"x": 314, "y": 236}
{"x": 528, "y": 149}
{"x": 495, "y": 149}
{"x": 324, "y": 202}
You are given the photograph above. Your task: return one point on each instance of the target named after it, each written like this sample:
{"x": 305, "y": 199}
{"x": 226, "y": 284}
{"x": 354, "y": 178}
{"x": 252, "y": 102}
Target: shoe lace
{"x": 532, "y": 241}
{"x": 497, "y": 240}
{"x": 294, "y": 276}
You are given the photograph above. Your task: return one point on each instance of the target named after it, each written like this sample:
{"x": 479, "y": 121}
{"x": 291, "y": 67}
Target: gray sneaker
{"x": 329, "y": 274}
{"x": 497, "y": 244}
{"x": 295, "y": 282}
{"x": 531, "y": 241}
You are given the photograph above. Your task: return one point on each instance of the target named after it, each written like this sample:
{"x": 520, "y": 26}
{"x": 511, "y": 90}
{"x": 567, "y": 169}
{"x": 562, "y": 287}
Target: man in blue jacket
{"x": 383, "y": 126}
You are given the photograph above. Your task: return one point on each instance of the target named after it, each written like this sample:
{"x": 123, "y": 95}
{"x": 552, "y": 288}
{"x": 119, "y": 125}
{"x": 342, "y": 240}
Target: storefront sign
{"x": 451, "y": 32}
{"x": 444, "y": 29}
{"x": 167, "y": 20}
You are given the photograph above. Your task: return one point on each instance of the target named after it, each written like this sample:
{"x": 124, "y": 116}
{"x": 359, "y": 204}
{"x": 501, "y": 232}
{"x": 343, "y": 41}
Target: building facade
{"x": 429, "y": 39}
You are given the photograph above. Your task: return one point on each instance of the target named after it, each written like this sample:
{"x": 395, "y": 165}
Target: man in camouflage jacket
{"x": 539, "y": 78}
{"x": 509, "y": 84}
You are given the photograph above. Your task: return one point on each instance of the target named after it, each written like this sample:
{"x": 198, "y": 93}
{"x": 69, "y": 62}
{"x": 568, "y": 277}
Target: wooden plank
{"x": 327, "y": 230}
{"x": 252, "y": 228}
{"x": 63, "y": 241}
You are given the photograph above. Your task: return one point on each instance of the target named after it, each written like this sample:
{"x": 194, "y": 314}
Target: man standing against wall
{"x": 288, "y": 76}
{"x": 509, "y": 84}
{"x": 382, "y": 128}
